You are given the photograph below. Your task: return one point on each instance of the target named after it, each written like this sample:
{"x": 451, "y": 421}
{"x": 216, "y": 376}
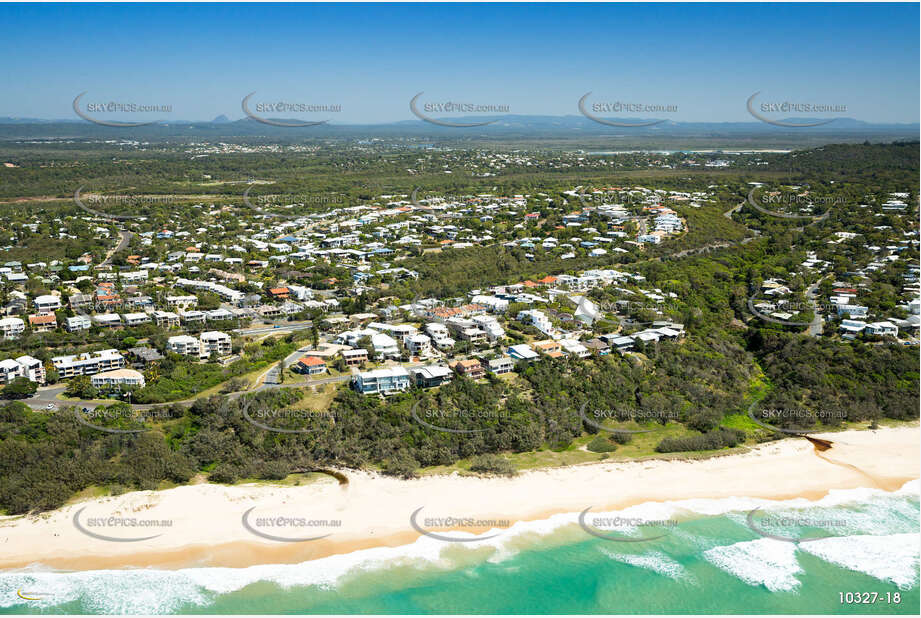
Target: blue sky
{"x": 536, "y": 58}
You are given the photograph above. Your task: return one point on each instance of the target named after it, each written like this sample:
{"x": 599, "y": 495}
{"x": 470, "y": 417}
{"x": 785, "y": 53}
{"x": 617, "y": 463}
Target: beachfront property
{"x": 215, "y": 342}
{"x": 382, "y": 381}
{"x": 208, "y": 343}
{"x": 88, "y": 363}
{"x": 470, "y": 368}
{"x": 522, "y": 352}
{"x": 118, "y": 379}
{"x": 431, "y": 376}
{"x": 310, "y": 365}
{"x": 501, "y": 365}
{"x": 355, "y": 357}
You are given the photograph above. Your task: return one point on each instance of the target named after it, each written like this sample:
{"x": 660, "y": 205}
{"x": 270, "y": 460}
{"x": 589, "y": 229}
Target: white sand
{"x": 375, "y": 510}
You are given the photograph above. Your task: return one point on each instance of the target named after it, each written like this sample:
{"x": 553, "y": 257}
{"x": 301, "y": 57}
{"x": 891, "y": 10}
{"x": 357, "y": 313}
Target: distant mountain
{"x": 505, "y": 127}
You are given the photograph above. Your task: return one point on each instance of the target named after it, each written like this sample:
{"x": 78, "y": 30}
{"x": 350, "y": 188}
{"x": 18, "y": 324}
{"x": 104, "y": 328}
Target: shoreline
{"x": 210, "y": 525}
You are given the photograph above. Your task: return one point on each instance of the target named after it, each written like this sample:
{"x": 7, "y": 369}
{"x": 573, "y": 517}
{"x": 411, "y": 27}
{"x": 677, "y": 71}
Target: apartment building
{"x": 88, "y": 363}
{"x": 419, "y": 345}
{"x": 22, "y": 367}
{"x": 166, "y": 319}
{"x": 215, "y": 342}
{"x": 186, "y": 345}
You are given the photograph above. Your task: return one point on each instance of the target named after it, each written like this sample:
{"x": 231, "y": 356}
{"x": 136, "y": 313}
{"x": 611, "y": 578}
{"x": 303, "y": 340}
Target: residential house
{"x": 47, "y": 303}
{"x": 166, "y": 319}
{"x": 599, "y": 347}
{"x": 419, "y": 345}
{"x": 43, "y": 323}
{"x": 882, "y": 329}
{"x": 549, "y": 347}
{"x": 118, "y": 378}
{"x": 522, "y": 351}
{"x": 77, "y": 322}
{"x": 431, "y": 375}
{"x": 382, "y": 381}
{"x": 11, "y": 328}
{"x": 503, "y": 364}
{"x": 355, "y": 357}
{"x": 470, "y": 368}
{"x": 135, "y": 319}
{"x": 310, "y": 365}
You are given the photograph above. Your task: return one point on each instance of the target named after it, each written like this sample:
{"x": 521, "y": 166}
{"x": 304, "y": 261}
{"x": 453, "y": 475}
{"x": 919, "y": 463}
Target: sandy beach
{"x": 214, "y": 525}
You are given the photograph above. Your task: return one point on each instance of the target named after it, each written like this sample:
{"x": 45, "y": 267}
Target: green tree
{"x": 19, "y": 388}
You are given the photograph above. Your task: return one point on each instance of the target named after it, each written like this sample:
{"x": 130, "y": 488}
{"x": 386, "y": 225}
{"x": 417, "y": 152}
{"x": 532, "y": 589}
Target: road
{"x": 815, "y": 327}
{"x": 124, "y": 239}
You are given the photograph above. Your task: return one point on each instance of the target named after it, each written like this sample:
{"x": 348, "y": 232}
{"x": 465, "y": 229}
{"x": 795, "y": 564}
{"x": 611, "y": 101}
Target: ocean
{"x": 853, "y": 551}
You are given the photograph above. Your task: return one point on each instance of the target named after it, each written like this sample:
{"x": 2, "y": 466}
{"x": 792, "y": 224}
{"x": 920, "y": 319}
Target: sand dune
{"x": 214, "y": 525}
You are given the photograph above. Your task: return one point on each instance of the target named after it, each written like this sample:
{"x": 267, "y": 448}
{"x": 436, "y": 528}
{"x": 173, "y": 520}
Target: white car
{"x": 50, "y": 406}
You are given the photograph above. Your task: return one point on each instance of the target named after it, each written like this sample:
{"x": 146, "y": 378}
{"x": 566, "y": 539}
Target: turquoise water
{"x": 711, "y": 562}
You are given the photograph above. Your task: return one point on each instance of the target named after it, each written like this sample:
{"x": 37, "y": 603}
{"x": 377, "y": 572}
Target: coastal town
{"x": 202, "y": 292}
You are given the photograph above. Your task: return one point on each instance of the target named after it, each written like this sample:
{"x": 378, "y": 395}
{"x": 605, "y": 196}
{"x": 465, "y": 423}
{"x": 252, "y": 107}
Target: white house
{"x": 883, "y": 329}
{"x": 46, "y": 303}
{"x": 12, "y": 328}
{"x": 119, "y": 378}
